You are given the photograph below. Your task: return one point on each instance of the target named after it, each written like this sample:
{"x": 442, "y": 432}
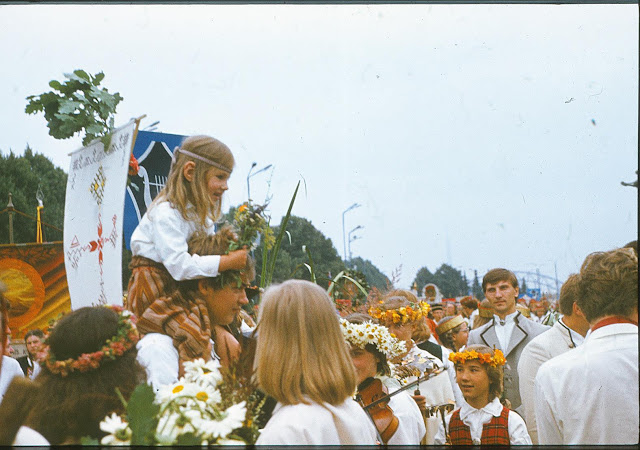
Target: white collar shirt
{"x": 589, "y": 395}
{"x": 576, "y": 337}
{"x": 504, "y": 329}
{"x": 476, "y": 418}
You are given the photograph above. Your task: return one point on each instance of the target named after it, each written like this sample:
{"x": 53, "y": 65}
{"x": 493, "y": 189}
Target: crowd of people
{"x": 406, "y": 371}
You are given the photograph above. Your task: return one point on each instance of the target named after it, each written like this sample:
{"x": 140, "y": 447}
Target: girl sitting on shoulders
{"x": 303, "y": 362}
{"x": 482, "y": 419}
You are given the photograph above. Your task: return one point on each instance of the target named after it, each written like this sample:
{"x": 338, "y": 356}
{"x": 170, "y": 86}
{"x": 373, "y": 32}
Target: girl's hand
{"x": 236, "y": 260}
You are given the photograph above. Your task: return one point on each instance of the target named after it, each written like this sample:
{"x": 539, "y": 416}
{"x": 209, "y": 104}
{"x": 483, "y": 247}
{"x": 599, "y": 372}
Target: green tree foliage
{"x": 423, "y": 277}
{"x": 476, "y": 287}
{"x": 21, "y": 175}
{"x": 372, "y": 274}
{"x": 75, "y": 105}
{"x": 293, "y": 257}
{"x": 450, "y": 281}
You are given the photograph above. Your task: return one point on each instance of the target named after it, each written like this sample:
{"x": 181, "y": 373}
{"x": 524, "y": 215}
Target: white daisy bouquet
{"x": 189, "y": 412}
{"x": 361, "y": 334}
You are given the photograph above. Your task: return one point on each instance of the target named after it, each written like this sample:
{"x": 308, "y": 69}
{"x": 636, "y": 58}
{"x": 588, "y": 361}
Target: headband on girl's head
{"x": 198, "y": 157}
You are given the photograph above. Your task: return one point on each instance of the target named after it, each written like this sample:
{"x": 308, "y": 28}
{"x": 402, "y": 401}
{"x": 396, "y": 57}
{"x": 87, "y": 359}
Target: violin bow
{"x": 419, "y": 380}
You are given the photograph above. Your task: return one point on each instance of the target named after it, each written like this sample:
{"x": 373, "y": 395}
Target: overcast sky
{"x": 474, "y": 135}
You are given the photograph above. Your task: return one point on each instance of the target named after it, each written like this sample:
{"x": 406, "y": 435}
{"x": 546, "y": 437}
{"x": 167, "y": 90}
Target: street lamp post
{"x": 350, "y": 240}
{"x": 344, "y": 237}
{"x": 253, "y": 174}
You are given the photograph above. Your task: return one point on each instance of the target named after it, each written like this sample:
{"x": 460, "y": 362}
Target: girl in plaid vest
{"x": 482, "y": 419}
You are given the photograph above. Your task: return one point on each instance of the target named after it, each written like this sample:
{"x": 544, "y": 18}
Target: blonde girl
{"x": 189, "y": 203}
{"x": 303, "y": 362}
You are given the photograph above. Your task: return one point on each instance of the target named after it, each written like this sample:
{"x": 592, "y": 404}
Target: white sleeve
{"x": 549, "y": 432}
{"x": 159, "y": 358}
{"x": 169, "y": 236}
{"x": 441, "y": 438}
{"x": 531, "y": 358}
{"x": 518, "y": 434}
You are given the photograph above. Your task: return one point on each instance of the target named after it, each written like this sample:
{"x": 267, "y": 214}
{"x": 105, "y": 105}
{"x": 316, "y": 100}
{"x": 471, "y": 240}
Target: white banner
{"x": 93, "y": 213}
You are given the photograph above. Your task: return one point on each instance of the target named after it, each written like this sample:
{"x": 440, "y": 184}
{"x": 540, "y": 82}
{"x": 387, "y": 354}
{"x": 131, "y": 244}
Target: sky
{"x": 479, "y": 136}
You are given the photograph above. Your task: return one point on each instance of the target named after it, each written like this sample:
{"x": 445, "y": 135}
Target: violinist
{"x": 302, "y": 361}
{"x": 400, "y": 316}
{"x": 399, "y": 422}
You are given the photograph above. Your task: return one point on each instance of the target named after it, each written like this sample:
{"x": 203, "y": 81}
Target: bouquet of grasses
{"x": 250, "y": 223}
{"x": 192, "y": 411}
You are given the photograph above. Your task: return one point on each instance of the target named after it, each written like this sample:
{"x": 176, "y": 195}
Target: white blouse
{"x": 162, "y": 236}
{"x": 411, "y": 428}
{"x": 476, "y": 418}
{"x": 318, "y": 424}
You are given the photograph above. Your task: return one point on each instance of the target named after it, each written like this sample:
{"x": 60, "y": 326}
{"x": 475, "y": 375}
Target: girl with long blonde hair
{"x": 190, "y": 203}
{"x": 303, "y": 362}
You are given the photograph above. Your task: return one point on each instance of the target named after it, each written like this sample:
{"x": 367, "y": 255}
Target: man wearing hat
{"x": 508, "y": 330}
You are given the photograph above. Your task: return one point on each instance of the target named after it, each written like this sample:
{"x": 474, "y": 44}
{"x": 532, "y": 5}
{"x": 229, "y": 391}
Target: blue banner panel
{"x": 153, "y": 152}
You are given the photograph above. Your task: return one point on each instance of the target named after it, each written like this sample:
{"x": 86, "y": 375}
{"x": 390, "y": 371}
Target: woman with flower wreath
{"x": 372, "y": 346}
{"x": 91, "y": 356}
{"x": 400, "y": 317}
{"x": 482, "y": 419}
{"x": 302, "y": 361}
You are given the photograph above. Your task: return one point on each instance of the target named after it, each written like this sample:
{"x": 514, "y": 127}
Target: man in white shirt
{"x": 567, "y": 333}
{"x": 589, "y": 395}
{"x": 508, "y": 331}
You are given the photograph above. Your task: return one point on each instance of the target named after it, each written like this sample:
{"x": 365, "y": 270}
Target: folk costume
{"x": 318, "y": 424}
{"x": 553, "y": 342}
{"x": 29, "y": 366}
{"x": 491, "y": 425}
{"x": 160, "y": 258}
{"x": 589, "y": 395}
{"x": 10, "y": 369}
{"x": 436, "y": 390}
{"x": 411, "y": 429}
{"x": 511, "y": 336}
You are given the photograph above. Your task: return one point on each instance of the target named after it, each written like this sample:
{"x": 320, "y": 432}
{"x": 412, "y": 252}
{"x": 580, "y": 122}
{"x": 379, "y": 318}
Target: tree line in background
{"x": 22, "y": 175}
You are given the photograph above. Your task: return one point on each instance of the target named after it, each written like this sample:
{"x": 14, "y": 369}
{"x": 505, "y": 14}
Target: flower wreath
{"x": 403, "y": 314}
{"x": 126, "y": 337}
{"x": 484, "y": 358}
{"x": 361, "y": 334}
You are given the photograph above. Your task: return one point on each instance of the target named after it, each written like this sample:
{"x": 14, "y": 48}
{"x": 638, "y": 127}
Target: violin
{"x": 373, "y": 396}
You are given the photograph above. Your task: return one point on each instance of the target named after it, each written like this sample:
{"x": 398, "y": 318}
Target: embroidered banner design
{"x": 93, "y": 220}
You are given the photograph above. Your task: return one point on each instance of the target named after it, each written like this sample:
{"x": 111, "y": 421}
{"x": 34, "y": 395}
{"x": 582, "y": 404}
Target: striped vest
{"x": 496, "y": 432}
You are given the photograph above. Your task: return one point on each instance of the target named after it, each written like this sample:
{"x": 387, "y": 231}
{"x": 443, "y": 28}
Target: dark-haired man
{"x": 508, "y": 330}
{"x": 34, "y": 340}
{"x": 589, "y": 395}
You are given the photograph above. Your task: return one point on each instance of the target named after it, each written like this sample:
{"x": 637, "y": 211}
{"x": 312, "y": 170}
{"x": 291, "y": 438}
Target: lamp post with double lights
{"x": 344, "y": 237}
{"x": 253, "y": 174}
{"x": 350, "y": 239}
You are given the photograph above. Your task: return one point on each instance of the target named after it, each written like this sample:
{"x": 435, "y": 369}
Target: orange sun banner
{"x": 36, "y": 285}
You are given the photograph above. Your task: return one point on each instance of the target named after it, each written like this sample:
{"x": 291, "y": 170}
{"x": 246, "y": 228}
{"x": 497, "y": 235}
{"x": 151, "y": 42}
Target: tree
{"x": 292, "y": 257}
{"x": 21, "y": 176}
{"x": 372, "y": 274}
{"x": 523, "y": 286}
{"x": 423, "y": 277}
{"x": 450, "y": 281}
{"x": 476, "y": 287}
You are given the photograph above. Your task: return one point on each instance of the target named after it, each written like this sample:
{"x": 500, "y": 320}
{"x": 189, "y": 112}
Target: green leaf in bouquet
{"x": 82, "y": 74}
{"x": 189, "y": 439}
{"x": 55, "y": 85}
{"x": 276, "y": 247}
{"x": 88, "y": 440}
{"x": 141, "y": 415}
